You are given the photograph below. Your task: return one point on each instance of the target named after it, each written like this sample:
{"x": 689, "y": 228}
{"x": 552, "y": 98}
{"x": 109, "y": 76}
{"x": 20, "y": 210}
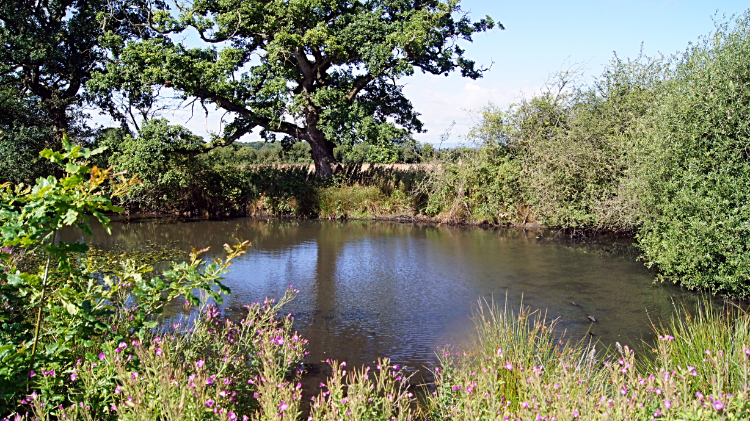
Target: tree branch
{"x": 252, "y": 119}
{"x": 306, "y": 67}
{"x": 359, "y": 84}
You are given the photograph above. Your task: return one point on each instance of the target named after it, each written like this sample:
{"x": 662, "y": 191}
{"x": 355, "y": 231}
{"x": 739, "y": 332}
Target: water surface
{"x": 373, "y": 289}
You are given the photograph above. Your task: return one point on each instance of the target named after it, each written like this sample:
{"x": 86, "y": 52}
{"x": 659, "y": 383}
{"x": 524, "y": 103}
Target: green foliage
{"x": 19, "y": 154}
{"x": 51, "y": 315}
{"x": 168, "y": 177}
{"x": 407, "y": 151}
{"x": 259, "y": 153}
{"x": 333, "y": 67}
{"x": 24, "y": 132}
{"x": 179, "y": 176}
{"x": 476, "y": 184}
{"x": 49, "y": 50}
{"x": 575, "y": 143}
{"x": 30, "y": 217}
{"x": 695, "y": 169}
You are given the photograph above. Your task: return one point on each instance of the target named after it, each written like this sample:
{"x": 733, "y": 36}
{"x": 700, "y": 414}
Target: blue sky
{"x": 541, "y": 37}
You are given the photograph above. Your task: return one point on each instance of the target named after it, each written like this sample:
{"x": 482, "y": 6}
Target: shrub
{"x": 575, "y": 144}
{"x": 170, "y": 174}
{"x": 694, "y": 171}
{"x": 63, "y": 310}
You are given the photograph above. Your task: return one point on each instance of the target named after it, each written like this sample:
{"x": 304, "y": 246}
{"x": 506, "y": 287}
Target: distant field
{"x": 362, "y": 168}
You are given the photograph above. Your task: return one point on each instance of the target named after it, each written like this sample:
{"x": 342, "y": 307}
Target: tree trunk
{"x": 322, "y": 154}
{"x": 322, "y": 149}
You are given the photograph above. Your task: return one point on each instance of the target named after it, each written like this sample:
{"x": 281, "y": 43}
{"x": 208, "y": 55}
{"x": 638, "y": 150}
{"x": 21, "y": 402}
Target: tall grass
{"x": 518, "y": 366}
{"x": 713, "y": 344}
{"x": 357, "y": 201}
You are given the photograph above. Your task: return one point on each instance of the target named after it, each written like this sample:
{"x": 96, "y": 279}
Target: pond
{"x": 371, "y": 289}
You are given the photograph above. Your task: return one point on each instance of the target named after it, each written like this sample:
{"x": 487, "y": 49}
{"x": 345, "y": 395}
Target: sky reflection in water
{"x": 372, "y": 289}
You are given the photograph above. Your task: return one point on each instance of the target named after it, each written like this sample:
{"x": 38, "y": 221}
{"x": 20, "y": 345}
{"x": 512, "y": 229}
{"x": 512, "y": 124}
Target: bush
{"x": 575, "y": 144}
{"x": 482, "y": 185}
{"x": 161, "y": 157}
{"x": 694, "y": 171}
{"x": 65, "y": 309}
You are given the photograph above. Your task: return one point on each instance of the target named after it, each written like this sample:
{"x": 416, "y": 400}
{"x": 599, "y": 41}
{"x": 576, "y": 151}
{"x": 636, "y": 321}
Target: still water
{"x": 374, "y": 289}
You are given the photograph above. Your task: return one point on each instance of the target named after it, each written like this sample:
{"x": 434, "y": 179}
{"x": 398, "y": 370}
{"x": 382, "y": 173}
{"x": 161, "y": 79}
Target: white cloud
{"x": 442, "y": 104}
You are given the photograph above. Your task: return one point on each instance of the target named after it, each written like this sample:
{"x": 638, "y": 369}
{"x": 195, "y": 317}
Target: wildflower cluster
{"x": 364, "y": 394}
{"x": 215, "y": 367}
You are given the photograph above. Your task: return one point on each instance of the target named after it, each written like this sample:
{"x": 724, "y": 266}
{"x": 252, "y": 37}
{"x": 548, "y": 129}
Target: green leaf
{"x": 15, "y": 279}
{"x": 5, "y": 350}
{"x": 71, "y": 308}
{"x": 72, "y": 181}
{"x": 72, "y": 168}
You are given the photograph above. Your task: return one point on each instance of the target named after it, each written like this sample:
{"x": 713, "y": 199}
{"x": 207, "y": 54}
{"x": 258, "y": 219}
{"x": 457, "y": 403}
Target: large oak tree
{"x": 322, "y": 71}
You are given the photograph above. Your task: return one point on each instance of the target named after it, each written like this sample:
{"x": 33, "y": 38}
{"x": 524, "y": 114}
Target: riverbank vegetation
{"x": 85, "y": 339}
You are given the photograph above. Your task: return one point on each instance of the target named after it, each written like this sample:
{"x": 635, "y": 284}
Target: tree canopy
{"x": 49, "y": 49}
{"x": 323, "y": 71}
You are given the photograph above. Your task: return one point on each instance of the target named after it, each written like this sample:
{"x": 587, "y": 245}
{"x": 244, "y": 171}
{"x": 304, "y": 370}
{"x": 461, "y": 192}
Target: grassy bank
{"x": 517, "y": 367}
